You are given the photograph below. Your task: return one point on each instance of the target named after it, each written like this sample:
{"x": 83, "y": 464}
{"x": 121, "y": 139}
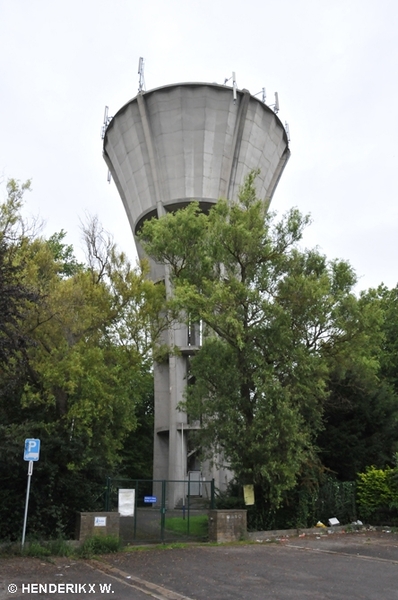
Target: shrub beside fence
{"x": 377, "y": 496}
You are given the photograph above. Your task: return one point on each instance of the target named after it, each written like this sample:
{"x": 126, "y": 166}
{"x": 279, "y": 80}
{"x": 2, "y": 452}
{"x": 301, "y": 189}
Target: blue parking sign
{"x": 32, "y": 449}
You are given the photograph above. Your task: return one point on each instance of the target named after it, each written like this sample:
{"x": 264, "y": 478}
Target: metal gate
{"x": 151, "y": 519}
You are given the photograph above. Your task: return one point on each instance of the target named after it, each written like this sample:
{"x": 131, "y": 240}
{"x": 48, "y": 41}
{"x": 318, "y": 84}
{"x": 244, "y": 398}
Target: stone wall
{"x": 97, "y": 523}
{"x": 227, "y": 525}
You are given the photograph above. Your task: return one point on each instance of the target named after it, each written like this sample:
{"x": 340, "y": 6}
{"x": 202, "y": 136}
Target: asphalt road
{"x": 332, "y": 567}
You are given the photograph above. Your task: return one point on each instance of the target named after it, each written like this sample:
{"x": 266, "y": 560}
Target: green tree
{"x": 360, "y": 426}
{"x": 13, "y": 228}
{"x": 361, "y": 412}
{"x": 15, "y": 296}
{"x": 278, "y": 320}
{"x": 86, "y": 370}
{"x": 389, "y": 355}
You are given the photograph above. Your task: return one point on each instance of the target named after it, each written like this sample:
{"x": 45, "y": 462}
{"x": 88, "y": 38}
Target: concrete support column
{"x": 177, "y": 439}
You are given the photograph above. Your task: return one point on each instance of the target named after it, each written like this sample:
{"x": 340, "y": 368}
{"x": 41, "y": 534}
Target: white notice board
{"x": 126, "y": 503}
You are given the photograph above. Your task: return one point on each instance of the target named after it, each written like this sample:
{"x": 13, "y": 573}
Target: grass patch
{"x": 149, "y": 548}
{"x": 60, "y": 548}
{"x": 198, "y": 525}
{"x": 98, "y": 544}
{"x": 92, "y": 546}
{"x": 37, "y": 549}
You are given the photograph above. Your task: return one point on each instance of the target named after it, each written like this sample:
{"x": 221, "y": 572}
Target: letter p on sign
{"x": 32, "y": 449}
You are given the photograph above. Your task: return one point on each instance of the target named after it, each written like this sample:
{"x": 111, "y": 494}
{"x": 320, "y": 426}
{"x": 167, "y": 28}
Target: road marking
{"x": 152, "y": 589}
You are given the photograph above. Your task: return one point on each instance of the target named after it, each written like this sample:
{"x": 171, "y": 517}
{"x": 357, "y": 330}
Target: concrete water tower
{"x": 165, "y": 148}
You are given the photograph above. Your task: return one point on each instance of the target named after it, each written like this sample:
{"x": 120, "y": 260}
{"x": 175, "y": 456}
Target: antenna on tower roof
{"x": 107, "y": 120}
{"x": 276, "y": 102}
{"x": 141, "y": 80}
{"x": 234, "y": 85}
{"x": 287, "y": 131}
{"x": 263, "y": 97}
{"x": 275, "y": 106}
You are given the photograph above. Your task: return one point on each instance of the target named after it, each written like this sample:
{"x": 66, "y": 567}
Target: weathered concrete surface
{"x": 191, "y": 141}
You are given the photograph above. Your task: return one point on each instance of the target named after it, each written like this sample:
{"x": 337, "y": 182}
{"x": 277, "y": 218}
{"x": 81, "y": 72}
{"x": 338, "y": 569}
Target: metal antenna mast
{"x": 234, "y": 85}
{"x": 287, "y": 131}
{"x": 107, "y": 120}
{"x": 141, "y": 80}
{"x": 275, "y": 106}
{"x": 263, "y": 95}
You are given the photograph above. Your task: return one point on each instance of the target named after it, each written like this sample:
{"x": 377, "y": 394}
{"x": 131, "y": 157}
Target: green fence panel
{"x": 156, "y": 521}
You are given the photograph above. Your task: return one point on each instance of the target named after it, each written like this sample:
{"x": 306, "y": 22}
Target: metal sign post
{"x": 32, "y": 452}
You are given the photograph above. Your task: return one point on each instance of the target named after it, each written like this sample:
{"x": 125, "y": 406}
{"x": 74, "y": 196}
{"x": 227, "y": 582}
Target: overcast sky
{"x": 334, "y": 64}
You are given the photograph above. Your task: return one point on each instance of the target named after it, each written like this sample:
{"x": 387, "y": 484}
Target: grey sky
{"x": 333, "y": 62}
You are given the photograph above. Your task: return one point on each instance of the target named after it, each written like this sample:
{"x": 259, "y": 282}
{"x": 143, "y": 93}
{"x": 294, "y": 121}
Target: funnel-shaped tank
{"x": 191, "y": 141}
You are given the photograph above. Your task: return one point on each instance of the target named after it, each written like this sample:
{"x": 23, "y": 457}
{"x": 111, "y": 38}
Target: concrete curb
{"x": 278, "y": 534}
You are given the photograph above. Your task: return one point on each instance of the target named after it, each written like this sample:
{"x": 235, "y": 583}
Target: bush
{"x": 377, "y": 495}
{"x": 59, "y": 548}
{"x": 99, "y": 544}
{"x": 36, "y": 549}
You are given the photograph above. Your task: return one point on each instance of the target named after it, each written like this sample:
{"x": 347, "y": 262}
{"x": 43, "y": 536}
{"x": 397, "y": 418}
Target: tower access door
{"x": 195, "y": 483}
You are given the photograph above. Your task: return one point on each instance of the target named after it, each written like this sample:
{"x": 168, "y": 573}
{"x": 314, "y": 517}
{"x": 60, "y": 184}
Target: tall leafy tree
{"x": 17, "y": 297}
{"x": 85, "y": 335}
{"x": 389, "y": 357}
{"x": 361, "y": 412}
{"x": 278, "y": 319}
